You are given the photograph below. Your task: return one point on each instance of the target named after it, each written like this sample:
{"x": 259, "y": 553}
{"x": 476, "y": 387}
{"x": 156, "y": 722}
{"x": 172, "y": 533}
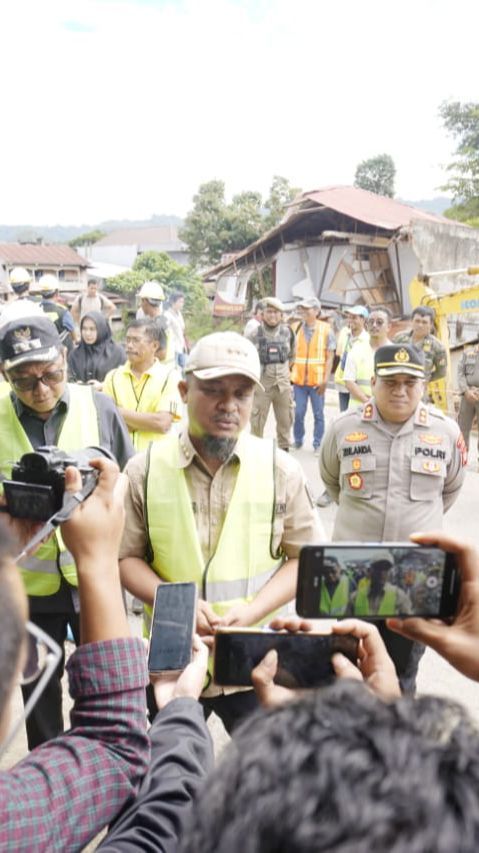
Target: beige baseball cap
{"x": 272, "y": 302}
{"x": 224, "y": 354}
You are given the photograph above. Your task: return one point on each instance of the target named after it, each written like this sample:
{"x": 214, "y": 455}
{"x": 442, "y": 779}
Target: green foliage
{"x": 213, "y": 227}
{"x": 376, "y": 175}
{"x": 467, "y": 212}
{"x": 462, "y": 122}
{"x": 87, "y": 238}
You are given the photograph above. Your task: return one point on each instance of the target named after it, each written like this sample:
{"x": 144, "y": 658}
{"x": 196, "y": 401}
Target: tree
{"x": 376, "y": 175}
{"x": 204, "y": 224}
{"x": 280, "y": 195}
{"x": 87, "y": 238}
{"x": 462, "y": 122}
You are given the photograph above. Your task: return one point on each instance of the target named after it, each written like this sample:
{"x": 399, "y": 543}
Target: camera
{"x": 37, "y": 484}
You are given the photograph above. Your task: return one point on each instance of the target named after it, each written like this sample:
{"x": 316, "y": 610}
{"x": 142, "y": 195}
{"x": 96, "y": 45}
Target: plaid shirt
{"x": 65, "y": 791}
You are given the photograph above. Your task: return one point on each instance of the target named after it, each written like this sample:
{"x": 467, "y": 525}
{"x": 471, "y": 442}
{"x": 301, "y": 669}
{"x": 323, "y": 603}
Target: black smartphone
{"x": 172, "y": 627}
{"x": 377, "y": 581}
{"x": 304, "y": 660}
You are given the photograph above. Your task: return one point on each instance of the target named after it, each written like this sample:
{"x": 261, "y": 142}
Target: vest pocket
{"x": 358, "y": 476}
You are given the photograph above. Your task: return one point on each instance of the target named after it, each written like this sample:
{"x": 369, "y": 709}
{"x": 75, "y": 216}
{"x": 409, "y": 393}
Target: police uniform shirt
{"x": 391, "y": 479}
{"x": 276, "y": 374}
{"x": 296, "y": 521}
{"x": 468, "y": 369}
{"x": 435, "y": 358}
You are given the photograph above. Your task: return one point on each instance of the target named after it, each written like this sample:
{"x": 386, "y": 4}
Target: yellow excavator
{"x": 464, "y": 301}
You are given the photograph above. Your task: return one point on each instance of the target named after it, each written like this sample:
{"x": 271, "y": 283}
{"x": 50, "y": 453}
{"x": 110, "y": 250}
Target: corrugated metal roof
{"x": 376, "y": 210}
{"x": 31, "y": 254}
{"x": 161, "y": 235}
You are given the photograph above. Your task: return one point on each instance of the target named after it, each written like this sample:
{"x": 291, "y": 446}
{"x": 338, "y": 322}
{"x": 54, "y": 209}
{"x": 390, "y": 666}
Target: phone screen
{"x": 304, "y": 660}
{"x": 376, "y": 581}
{"x": 173, "y": 621}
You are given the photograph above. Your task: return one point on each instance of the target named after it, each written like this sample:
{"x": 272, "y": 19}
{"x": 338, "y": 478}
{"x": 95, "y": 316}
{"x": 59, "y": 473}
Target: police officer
{"x": 421, "y": 336}
{"x": 395, "y": 465}
{"x": 42, "y": 409}
{"x": 274, "y": 341}
{"x": 468, "y": 382}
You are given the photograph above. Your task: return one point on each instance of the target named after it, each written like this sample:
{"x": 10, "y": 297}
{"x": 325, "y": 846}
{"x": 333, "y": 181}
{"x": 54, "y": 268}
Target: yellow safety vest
{"x": 41, "y": 572}
{"x": 309, "y": 366}
{"x": 337, "y": 604}
{"x": 364, "y": 358}
{"x": 143, "y": 399}
{"x": 387, "y": 606}
{"x": 243, "y": 561}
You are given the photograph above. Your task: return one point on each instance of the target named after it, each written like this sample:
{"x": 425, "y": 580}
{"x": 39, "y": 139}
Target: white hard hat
{"x": 47, "y": 283}
{"x": 152, "y": 290}
{"x": 19, "y": 275}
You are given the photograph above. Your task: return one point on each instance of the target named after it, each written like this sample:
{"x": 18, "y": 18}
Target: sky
{"x": 118, "y": 109}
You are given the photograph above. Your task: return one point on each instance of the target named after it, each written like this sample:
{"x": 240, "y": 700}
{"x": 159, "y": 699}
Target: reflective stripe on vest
{"x": 310, "y": 360}
{"x": 242, "y": 562}
{"x": 335, "y": 606}
{"x": 144, "y": 400}
{"x": 41, "y": 572}
{"x": 364, "y": 358}
{"x": 386, "y": 607}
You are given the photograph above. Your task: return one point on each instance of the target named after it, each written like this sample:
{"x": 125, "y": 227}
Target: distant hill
{"x": 433, "y": 205}
{"x": 64, "y": 233}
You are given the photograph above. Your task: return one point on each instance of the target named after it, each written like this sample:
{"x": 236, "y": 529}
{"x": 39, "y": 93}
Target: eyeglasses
{"x": 42, "y": 658}
{"x": 29, "y": 383}
{"x": 378, "y": 322}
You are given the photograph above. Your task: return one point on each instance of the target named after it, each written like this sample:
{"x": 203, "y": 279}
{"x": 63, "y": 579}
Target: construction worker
{"x": 21, "y": 305}
{"x": 468, "y": 383}
{"x": 335, "y": 588}
{"x": 218, "y": 506}
{"x": 359, "y": 366}
{"x": 152, "y": 298}
{"x": 42, "y": 409}
{"x": 315, "y": 347}
{"x": 48, "y": 287}
{"x": 421, "y": 336}
{"x": 275, "y": 343}
{"x": 356, "y": 335}
{"x": 144, "y": 389}
{"x": 379, "y": 597}
{"x": 394, "y": 465}
{"x": 92, "y": 301}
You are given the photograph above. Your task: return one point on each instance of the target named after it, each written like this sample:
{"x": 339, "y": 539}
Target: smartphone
{"x": 376, "y": 581}
{"x": 304, "y": 660}
{"x": 172, "y": 627}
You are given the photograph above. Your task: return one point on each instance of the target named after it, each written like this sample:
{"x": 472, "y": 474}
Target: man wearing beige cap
{"x": 275, "y": 343}
{"x": 219, "y": 507}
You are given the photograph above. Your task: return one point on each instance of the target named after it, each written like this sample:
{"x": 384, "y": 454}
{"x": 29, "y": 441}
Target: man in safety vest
{"x": 315, "y": 348}
{"x": 359, "y": 367}
{"x": 42, "y": 409}
{"x": 152, "y": 298}
{"x": 47, "y": 288}
{"x": 378, "y": 597}
{"x": 335, "y": 589}
{"x": 219, "y": 507}
{"x": 145, "y": 389}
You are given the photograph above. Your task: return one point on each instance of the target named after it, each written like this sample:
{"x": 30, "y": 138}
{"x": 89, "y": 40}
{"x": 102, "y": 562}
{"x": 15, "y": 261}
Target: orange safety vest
{"x": 309, "y": 366}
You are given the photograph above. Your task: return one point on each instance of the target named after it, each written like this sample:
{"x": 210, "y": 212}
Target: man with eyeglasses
{"x": 59, "y": 797}
{"x": 42, "y": 409}
{"x": 394, "y": 465}
{"x": 359, "y": 366}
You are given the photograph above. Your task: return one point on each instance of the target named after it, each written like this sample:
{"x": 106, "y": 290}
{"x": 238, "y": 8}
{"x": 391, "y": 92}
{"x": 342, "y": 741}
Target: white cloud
{"x": 121, "y": 109}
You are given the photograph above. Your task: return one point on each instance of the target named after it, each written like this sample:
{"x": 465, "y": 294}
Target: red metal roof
{"x": 31, "y": 254}
{"x": 376, "y": 210}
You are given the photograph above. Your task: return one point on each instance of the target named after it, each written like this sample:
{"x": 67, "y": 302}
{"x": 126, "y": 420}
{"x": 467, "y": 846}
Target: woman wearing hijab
{"x": 96, "y": 354}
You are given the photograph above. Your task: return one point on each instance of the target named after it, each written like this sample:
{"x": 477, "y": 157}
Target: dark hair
{"x": 424, "y": 311}
{"x": 177, "y": 294}
{"x": 259, "y": 307}
{"x": 383, "y": 309}
{"x": 155, "y": 330}
{"x": 341, "y": 770}
{"x": 12, "y": 624}
{"x": 92, "y": 281}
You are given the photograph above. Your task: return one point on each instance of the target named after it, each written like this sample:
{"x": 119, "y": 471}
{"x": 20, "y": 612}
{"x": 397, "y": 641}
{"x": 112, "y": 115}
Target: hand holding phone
{"x": 172, "y": 626}
{"x": 458, "y": 642}
{"x": 188, "y": 683}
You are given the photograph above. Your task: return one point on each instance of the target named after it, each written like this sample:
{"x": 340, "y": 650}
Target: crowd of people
{"x": 204, "y": 497}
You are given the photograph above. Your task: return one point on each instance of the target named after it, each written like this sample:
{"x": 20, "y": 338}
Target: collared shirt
{"x": 296, "y": 521}
{"x": 468, "y": 369}
{"x": 62, "y": 794}
{"x": 391, "y": 479}
{"x": 435, "y": 358}
{"x": 155, "y": 391}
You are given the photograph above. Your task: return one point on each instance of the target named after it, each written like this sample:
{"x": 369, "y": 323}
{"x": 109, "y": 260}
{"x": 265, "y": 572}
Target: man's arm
{"x": 329, "y": 463}
{"x": 147, "y": 421}
{"x": 76, "y": 308}
{"x": 440, "y": 363}
{"x": 349, "y": 375}
{"x": 456, "y": 470}
{"x": 108, "y": 306}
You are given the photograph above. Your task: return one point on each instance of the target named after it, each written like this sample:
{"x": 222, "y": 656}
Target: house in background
{"x": 122, "y": 247}
{"x": 63, "y": 261}
{"x": 346, "y": 246}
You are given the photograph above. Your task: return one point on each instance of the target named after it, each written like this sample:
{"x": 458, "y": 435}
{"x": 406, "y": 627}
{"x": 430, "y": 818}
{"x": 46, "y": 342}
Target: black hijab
{"x": 93, "y": 361}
